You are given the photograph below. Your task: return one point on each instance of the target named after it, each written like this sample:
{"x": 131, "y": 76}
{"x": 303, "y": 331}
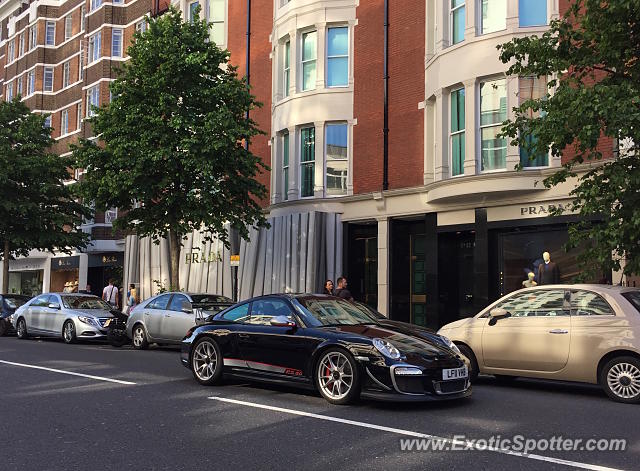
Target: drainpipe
{"x": 248, "y": 58}
{"x": 385, "y": 129}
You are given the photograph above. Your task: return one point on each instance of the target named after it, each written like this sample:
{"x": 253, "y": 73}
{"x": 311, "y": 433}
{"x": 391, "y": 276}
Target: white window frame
{"x": 19, "y": 86}
{"x": 452, "y": 134}
{"x": 451, "y": 12}
{"x": 286, "y": 68}
{"x": 68, "y": 26}
{"x": 10, "y": 91}
{"x": 31, "y": 82}
{"x": 81, "y": 63}
{"x": 44, "y": 79}
{"x": 117, "y": 33}
{"x": 79, "y": 115}
{"x": 326, "y": 159}
{"x": 66, "y": 74}
{"x": 64, "y": 122}
{"x": 286, "y": 172}
{"x": 110, "y": 215}
{"x": 487, "y": 126}
{"x": 95, "y": 4}
{"x": 12, "y": 50}
{"x": 480, "y": 22}
{"x": 47, "y": 122}
{"x": 337, "y": 57}
{"x": 141, "y": 26}
{"x": 83, "y": 18}
{"x": 217, "y": 22}
{"x": 95, "y": 47}
{"x": 21, "y": 45}
{"x": 50, "y": 33}
{"x": 303, "y": 62}
{"x": 93, "y": 98}
{"x": 310, "y": 163}
{"x": 33, "y": 37}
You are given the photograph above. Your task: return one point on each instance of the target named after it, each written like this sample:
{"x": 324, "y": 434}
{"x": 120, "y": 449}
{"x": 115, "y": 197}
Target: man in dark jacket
{"x": 342, "y": 291}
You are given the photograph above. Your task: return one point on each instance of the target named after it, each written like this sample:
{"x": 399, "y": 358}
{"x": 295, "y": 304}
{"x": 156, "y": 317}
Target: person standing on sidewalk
{"x": 110, "y": 293}
{"x": 328, "y": 288}
{"x": 342, "y": 291}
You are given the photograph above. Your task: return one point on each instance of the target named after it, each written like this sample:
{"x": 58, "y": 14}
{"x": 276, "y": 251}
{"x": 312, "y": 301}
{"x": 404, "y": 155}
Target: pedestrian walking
{"x": 342, "y": 291}
{"x": 132, "y": 298}
{"x": 328, "y": 288}
{"x": 110, "y": 293}
{"x": 86, "y": 290}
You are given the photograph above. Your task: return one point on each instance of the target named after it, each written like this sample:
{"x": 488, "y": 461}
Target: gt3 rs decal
{"x": 256, "y": 365}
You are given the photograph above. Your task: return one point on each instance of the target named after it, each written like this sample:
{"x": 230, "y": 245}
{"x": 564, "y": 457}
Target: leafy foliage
{"x": 592, "y": 59}
{"x": 171, "y": 154}
{"x": 37, "y": 210}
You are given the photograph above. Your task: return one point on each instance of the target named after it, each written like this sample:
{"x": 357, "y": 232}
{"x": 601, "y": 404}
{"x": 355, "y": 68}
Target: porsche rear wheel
{"x": 338, "y": 377}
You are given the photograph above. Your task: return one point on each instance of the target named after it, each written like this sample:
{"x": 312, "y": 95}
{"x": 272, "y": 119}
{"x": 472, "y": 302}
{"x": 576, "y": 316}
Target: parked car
{"x": 586, "y": 333}
{"x": 323, "y": 343}
{"x": 8, "y": 305}
{"x": 166, "y": 318}
{"x": 70, "y": 316}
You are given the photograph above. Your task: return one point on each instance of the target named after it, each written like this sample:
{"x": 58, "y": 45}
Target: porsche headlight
{"x": 386, "y": 348}
{"x": 87, "y": 320}
{"x": 447, "y": 341}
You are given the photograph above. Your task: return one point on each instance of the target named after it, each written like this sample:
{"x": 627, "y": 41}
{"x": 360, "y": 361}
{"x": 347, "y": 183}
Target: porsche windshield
{"x": 333, "y": 311}
{"x": 84, "y": 302}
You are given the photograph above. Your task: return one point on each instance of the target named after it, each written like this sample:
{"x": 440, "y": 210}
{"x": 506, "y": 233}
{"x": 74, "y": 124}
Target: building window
{"x": 116, "y": 42}
{"x": 9, "y": 91}
{"x": 93, "y": 99}
{"x": 19, "y": 82}
{"x": 337, "y": 159}
{"x": 95, "y": 4}
{"x": 48, "y": 79}
{"x": 284, "y": 2}
{"x": 31, "y": 82}
{"x": 457, "y": 136}
{"x": 83, "y": 17}
{"x": 532, "y": 88}
{"x": 141, "y": 26}
{"x": 309, "y": 55}
{"x": 494, "y": 16}
{"x": 33, "y": 36}
{"x": 12, "y": 50}
{"x": 286, "y": 82}
{"x": 81, "y": 64}
{"x": 21, "y": 46}
{"x": 307, "y": 161}
{"x": 216, "y": 17}
{"x": 47, "y": 121}
{"x": 50, "y": 33}
{"x": 493, "y": 111}
{"x": 64, "y": 123}
{"x": 79, "y": 116}
{"x": 66, "y": 74}
{"x": 285, "y": 165}
{"x": 68, "y": 27}
{"x": 337, "y": 57}
{"x": 532, "y": 12}
{"x": 193, "y": 12}
{"x": 94, "y": 47}
{"x": 118, "y": 2}
{"x": 457, "y": 21}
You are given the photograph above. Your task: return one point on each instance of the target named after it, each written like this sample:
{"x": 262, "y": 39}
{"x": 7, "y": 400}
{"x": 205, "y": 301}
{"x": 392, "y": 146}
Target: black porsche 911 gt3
{"x": 324, "y": 343}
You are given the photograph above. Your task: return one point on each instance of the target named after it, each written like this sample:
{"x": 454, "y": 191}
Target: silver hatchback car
{"x": 70, "y": 316}
{"x": 166, "y": 318}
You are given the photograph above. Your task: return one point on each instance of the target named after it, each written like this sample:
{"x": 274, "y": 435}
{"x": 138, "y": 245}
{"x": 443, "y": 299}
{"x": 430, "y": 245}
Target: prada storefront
{"x": 450, "y": 265}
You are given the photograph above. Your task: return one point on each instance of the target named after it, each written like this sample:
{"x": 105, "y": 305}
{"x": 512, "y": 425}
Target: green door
{"x": 418, "y": 281}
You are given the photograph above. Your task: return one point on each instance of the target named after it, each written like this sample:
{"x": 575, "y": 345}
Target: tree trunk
{"x": 5, "y": 268}
{"x": 174, "y": 250}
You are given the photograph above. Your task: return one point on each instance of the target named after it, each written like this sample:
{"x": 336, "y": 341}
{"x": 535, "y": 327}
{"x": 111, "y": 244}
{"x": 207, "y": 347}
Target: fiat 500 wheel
{"x": 338, "y": 377}
{"x": 620, "y": 379}
{"x": 206, "y": 362}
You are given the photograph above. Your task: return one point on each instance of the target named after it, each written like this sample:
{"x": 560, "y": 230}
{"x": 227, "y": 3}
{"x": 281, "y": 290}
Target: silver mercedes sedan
{"x": 71, "y": 316}
{"x": 166, "y": 317}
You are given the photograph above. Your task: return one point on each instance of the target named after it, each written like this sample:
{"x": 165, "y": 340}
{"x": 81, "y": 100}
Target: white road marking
{"x": 72, "y": 373}
{"x": 410, "y": 433}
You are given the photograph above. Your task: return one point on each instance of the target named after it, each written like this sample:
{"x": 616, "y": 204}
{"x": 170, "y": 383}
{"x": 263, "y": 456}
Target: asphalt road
{"x": 165, "y": 420}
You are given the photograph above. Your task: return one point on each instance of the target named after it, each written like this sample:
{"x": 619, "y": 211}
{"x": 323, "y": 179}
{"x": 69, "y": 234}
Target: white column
{"x": 383, "y": 265}
{"x": 276, "y": 169}
{"x": 513, "y": 20}
{"x": 441, "y": 30}
{"x": 470, "y": 139}
{"x": 83, "y": 268}
{"x": 293, "y": 64}
{"x": 470, "y": 20}
{"x": 46, "y": 276}
{"x": 318, "y": 177}
{"x": 294, "y": 164}
{"x": 441, "y": 155}
{"x": 429, "y": 140}
{"x": 350, "y": 125}
{"x": 320, "y": 59}
{"x": 513, "y": 152}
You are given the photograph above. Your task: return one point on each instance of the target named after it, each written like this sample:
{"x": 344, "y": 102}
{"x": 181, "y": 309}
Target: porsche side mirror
{"x": 282, "y": 321}
{"x": 496, "y": 314}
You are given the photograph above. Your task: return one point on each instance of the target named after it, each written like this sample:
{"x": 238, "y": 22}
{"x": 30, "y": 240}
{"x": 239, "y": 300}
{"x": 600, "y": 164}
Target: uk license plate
{"x": 455, "y": 373}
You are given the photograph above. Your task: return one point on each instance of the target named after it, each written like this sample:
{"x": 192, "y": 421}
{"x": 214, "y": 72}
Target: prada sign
{"x": 545, "y": 209}
{"x": 532, "y": 210}
{"x": 197, "y": 257}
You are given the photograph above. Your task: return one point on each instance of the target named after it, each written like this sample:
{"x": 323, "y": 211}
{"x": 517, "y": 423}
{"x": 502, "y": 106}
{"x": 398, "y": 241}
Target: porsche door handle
{"x": 559, "y": 331}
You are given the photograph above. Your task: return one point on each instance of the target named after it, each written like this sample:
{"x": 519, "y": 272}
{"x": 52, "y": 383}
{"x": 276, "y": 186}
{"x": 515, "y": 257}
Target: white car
{"x": 70, "y": 316}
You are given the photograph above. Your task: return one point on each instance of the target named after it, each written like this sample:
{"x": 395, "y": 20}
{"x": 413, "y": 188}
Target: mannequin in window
{"x": 530, "y": 281}
{"x": 548, "y": 271}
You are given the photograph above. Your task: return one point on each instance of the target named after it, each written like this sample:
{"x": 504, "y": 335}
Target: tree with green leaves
{"x": 37, "y": 209}
{"x": 591, "y": 59}
{"x": 171, "y": 153}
